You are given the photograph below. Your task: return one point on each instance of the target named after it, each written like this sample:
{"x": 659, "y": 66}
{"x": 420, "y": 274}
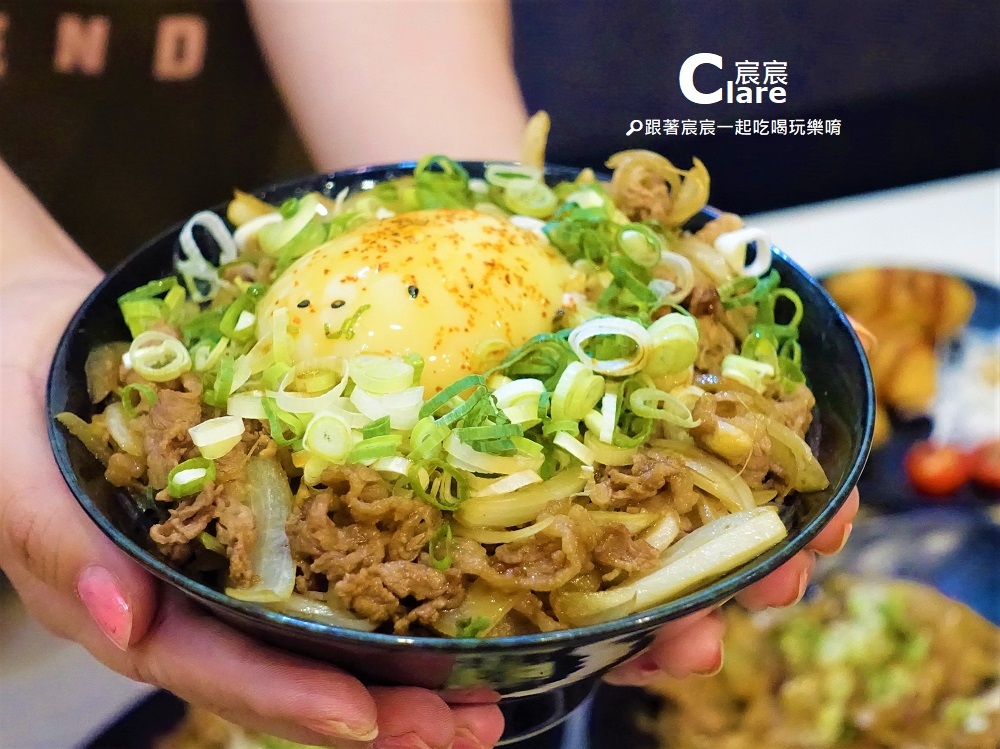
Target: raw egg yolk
{"x": 448, "y": 284}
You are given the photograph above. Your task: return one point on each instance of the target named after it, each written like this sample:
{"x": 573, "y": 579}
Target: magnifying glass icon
{"x": 634, "y": 127}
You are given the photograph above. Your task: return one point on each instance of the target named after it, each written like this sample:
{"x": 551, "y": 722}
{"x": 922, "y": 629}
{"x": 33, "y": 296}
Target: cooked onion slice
{"x": 704, "y": 554}
{"x": 270, "y": 500}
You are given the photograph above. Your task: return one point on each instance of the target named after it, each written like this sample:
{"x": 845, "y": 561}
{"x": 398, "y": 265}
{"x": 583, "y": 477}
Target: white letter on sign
{"x": 81, "y": 46}
{"x": 180, "y": 47}
{"x": 686, "y": 78}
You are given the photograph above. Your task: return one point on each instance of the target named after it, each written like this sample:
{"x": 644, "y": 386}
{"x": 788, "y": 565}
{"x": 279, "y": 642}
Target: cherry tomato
{"x": 985, "y": 464}
{"x": 936, "y": 469}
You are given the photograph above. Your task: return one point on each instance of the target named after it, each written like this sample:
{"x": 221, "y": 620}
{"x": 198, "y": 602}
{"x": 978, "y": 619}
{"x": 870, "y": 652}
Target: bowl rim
{"x": 710, "y": 595}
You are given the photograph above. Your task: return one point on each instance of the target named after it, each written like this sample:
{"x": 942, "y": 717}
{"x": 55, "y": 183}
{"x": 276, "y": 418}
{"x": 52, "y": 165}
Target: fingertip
{"x": 410, "y": 715}
{"x": 783, "y": 587}
{"x": 679, "y": 653}
{"x": 477, "y": 726}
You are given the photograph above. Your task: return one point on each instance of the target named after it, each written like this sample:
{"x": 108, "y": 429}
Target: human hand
{"x": 82, "y": 587}
{"x": 693, "y": 644}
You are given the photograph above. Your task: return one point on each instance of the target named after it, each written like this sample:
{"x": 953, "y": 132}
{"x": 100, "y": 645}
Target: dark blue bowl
{"x": 541, "y": 677}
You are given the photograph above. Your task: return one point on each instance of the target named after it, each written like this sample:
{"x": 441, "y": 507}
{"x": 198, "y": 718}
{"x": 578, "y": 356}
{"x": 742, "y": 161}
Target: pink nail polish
{"x": 101, "y": 594}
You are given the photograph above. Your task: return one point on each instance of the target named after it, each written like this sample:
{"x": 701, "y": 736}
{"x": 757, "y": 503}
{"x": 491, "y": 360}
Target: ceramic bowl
{"x": 541, "y": 677}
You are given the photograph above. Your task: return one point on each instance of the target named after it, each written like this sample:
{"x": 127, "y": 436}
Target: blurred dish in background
{"x": 899, "y": 648}
{"x": 858, "y": 665}
{"x": 909, "y": 312}
{"x": 936, "y": 367}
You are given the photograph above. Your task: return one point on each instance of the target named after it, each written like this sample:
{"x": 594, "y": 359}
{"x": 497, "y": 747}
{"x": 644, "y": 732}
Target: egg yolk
{"x": 448, "y": 284}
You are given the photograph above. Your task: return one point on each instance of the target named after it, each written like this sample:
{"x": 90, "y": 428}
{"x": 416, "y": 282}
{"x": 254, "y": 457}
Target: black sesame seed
{"x": 303, "y": 304}
{"x": 338, "y": 304}
{"x": 413, "y": 291}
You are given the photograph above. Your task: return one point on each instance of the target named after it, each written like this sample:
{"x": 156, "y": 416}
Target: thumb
{"x": 46, "y": 535}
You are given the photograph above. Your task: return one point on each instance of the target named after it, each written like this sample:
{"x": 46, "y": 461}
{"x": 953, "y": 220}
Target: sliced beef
{"x": 794, "y": 409}
{"x": 403, "y": 592}
{"x": 165, "y": 428}
{"x": 617, "y": 549}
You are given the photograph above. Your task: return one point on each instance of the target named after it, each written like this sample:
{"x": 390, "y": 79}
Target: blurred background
{"x": 104, "y": 101}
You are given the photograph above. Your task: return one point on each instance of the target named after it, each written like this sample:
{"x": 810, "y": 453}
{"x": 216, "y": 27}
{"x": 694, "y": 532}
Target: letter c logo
{"x": 686, "y": 78}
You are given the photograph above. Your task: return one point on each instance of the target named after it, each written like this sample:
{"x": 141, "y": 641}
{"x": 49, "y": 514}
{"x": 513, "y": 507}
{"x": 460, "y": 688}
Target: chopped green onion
{"x": 216, "y": 437}
{"x": 653, "y": 403}
{"x": 189, "y": 477}
{"x": 470, "y": 435}
{"x": 146, "y": 394}
{"x": 381, "y": 374}
{"x": 439, "y": 547}
{"x": 426, "y": 438}
{"x": 205, "y": 356}
{"x": 675, "y": 344}
{"x": 150, "y": 290}
{"x": 218, "y": 394}
{"x": 576, "y": 393}
{"x": 574, "y": 447}
{"x": 247, "y": 406}
{"x": 640, "y": 244}
{"x": 504, "y": 175}
{"x": 441, "y": 183}
{"x": 174, "y": 298}
{"x": 211, "y": 543}
{"x": 286, "y": 429}
{"x": 158, "y": 357}
{"x": 543, "y": 358}
{"x": 140, "y": 314}
{"x": 238, "y": 321}
{"x": 530, "y": 198}
{"x": 566, "y": 425}
{"x": 438, "y": 484}
{"x": 346, "y": 330}
{"x": 417, "y": 362}
{"x": 459, "y": 386}
{"x": 274, "y": 375}
{"x": 613, "y": 358}
{"x": 747, "y": 371}
{"x": 373, "y": 448}
{"x": 472, "y": 627}
{"x": 378, "y": 428}
{"x": 329, "y": 437}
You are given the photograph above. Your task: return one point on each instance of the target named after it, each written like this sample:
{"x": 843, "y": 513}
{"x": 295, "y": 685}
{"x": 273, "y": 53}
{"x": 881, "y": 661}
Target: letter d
{"x": 686, "y": 78}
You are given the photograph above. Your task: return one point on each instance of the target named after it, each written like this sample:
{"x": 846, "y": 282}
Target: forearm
{"x": 374, "y": 82}
{"x": 33, "y": 247}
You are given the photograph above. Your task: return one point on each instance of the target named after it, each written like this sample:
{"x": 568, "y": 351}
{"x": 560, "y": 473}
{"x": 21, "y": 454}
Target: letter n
{"x": 81, "y": 45}
{"x": 4, "y": 25}
{"x": 180, "y": 47}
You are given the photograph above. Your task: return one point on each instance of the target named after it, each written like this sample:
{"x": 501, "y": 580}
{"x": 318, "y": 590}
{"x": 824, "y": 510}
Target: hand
{"x": 693, "y": 644}
{"x": 82, "y": 587}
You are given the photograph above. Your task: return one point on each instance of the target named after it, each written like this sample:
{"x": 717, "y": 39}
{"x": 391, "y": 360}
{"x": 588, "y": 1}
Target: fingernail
{"x": 465, "y": 739}
{"x": 714, "y": 670}
{"x": 101, "y": 594}
{"x": 344, "y": 731}
{"x": 847, "y": 534}
{"x": 406, "y": 741}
